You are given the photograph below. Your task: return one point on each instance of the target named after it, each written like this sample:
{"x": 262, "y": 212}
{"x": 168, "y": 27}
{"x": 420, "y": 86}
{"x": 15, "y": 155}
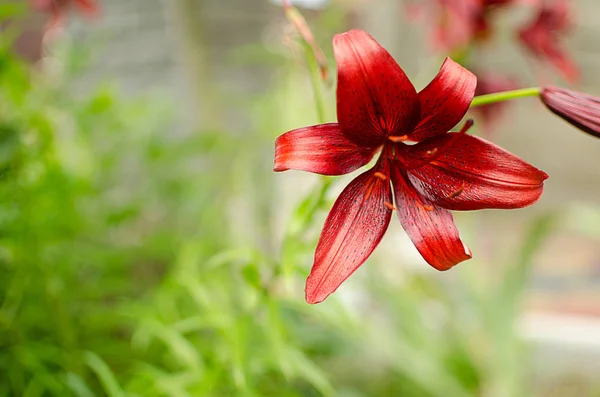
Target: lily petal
{"x": 321, "y": 149}
{"x": 445, "y": 100}
{"x": 375, "y": 98}
{"x": 430, "y": 228}
{"x": 354, "y": 227}
{"x": 471, "y": 173}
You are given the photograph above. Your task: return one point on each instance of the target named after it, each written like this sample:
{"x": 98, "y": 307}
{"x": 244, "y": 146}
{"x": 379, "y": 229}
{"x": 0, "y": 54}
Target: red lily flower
{"x": 58, "y": 8}
{"x": 378, "y": 108}
{"x": 541, "y": 37}
{"x": 577, "y": 108}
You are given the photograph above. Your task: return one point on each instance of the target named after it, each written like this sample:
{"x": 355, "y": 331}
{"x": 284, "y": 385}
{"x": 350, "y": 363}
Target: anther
{"x": 431, "y": 152}
{"x": 380, "y": 175}
{"x": 468, "y": 124}
{"x": 428, "y": 207}
{"x": 389, "y": 206}
{"x": 457, "y": 192}
{"x": 400, "y": 138}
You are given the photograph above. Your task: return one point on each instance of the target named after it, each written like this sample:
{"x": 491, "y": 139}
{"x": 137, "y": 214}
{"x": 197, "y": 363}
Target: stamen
{"x": 428, "y": 207}
{"x": 380, "y": 175}
{"x": 457, "y": 192}
{"x": 400, "y": 138}
{"x": 468, "y": 124}
{"x": 439, "y": 151}
{"x": 389, "y": 206}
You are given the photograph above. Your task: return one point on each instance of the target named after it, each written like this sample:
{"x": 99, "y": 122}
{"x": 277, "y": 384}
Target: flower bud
{"x": 577, "y": 108}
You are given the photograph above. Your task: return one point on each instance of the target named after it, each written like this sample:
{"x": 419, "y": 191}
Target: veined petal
{"x": 430, "y": 228}
{"x": 321, "y": 149}
{"x": 375, "y": 98}
{"x": 471, "y": 173}
{"x": 354, "y": 227}
{"x": 445, "y": 101}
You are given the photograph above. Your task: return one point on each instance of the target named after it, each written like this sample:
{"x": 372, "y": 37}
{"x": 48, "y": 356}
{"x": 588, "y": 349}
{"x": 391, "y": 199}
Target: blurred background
{"x": 147, "y": 248}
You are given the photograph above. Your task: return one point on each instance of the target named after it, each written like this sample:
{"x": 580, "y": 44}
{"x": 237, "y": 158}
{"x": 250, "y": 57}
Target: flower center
{"x": 412, "y": 156}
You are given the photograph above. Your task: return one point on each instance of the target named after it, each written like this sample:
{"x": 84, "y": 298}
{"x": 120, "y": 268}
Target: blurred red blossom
{"x": 458, "y": 23}
{"x": 577, "y": 108}
{"x": 379, "y": 110}
{"x": 542, "y": 37}
{"x": 58, "y": 8}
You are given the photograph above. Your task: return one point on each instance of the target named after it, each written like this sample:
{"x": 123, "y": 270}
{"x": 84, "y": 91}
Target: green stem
{"x": 504, "y": 96}
{"x": 315, "y": 80}
{"x": 315, "y": 200}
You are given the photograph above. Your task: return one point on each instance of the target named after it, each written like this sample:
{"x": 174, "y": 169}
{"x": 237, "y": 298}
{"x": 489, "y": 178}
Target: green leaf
{"x": 104, "y": 373}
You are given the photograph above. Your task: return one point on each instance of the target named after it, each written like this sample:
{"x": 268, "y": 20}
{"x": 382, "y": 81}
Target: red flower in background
{"x": 460, "y": 22}
{"x": 58, "y": 8}
{"x": 457, "y": 23}
{"x": 489, "y": 83}
{"x": 378, "y": 109}
{"x": 542, "y": 37}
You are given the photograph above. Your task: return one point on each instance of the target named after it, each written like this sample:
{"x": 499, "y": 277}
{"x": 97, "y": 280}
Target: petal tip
{"x": 468, "y": 253}
{"x": 449, "y": 265}
{"x": 540, "y": 176}
{"x": 314, "y": 295}
{"x": 351, "y": 32}
{"x": 279, "y": 168}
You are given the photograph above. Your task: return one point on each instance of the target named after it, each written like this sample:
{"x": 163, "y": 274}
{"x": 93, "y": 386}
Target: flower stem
{"x": 504, "y": 96}
{"x": 315, "y": 79}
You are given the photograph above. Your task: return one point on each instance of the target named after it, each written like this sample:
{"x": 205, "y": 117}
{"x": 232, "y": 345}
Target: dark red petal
{"x": 430, "y": 228}
{"x": 472, "y": 174}
{"x": 354, "y": 227}
{"x": 577, "y": 108}
{"x": 445, "y": 101}
{"x": 321, "y": 149}
{"x": 374, "y": 96}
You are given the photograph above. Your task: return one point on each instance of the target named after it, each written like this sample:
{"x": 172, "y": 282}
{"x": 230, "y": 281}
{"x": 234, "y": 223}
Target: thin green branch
{"x": 316, "y": 82}
{"x": 504, "y": 96}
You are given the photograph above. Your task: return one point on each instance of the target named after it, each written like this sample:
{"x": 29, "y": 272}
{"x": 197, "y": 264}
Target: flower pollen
{"x": 380, "y": 175}
{"x": 389, "y": 206}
